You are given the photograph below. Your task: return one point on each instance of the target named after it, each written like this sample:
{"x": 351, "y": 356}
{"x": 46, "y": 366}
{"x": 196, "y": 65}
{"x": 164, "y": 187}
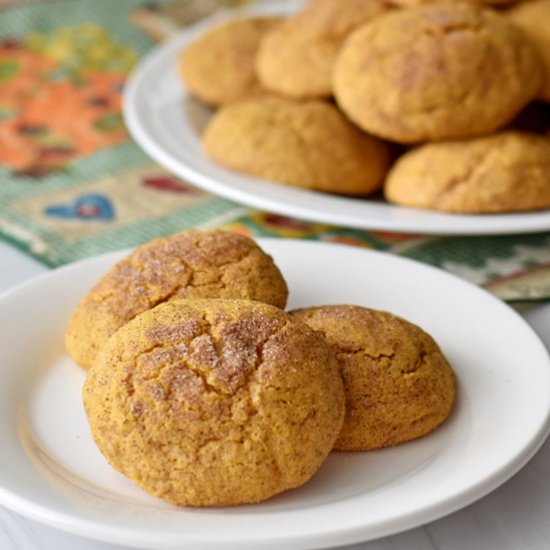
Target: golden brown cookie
{"x": 397, "y": 382}
{"x": 445, "y": 70}
{"x": 533, "y": 18}
{"x": 215, "y": 402}
{"x": 218, "y": 67}
{"x": 190, "y": 264}
{"x": 305, "y": 144}
{"x": 504, "y": 172}
{"x": 297, "y": 57}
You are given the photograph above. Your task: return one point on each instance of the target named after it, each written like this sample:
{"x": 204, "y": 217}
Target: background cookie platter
{"x": 167, "y": 123}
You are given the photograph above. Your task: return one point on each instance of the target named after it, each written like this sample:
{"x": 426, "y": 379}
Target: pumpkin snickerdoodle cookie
{"x": 218, "y": 67}
{"x": 504, "y": 172}
{"x": 397, "y": 382}
{"x": 215, "y": 402}
{"x": 533, "y": 18}
{"x": 445, "y": 70}
{"x": 296, "y": 58}
{"x": 190, "y": 264}
{"x": 306, "y": 144}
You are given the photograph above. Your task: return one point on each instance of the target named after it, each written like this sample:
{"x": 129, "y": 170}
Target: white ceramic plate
{"x": 51, "y": 471}
{"x": 167, "y": 124}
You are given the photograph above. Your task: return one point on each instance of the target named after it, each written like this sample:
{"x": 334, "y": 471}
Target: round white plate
{"x": 167, "y": 123}
{"x": 51, "y": 471}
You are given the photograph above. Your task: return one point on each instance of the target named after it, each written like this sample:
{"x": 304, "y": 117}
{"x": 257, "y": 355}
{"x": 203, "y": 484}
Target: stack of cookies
{"x": 421, "y": 100}
{"x": 203, "y": 391}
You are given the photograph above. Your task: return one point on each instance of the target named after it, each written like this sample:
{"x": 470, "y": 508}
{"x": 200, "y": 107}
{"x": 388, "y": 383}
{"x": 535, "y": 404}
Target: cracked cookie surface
{"x": 504, "y": 172}
{"x": 397, "y": 382}
{"x": 446, "y": 70}
{"x": 218, "y": 67}
{"x": 297, "y": 57}
{"x": 190, "y": 264}
{"x": 215, "y": 402}
{"x": 306, "y": 144}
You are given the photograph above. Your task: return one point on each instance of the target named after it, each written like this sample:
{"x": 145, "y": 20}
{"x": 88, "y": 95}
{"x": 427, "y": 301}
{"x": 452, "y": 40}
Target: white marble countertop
{"x": 514, "y": 517}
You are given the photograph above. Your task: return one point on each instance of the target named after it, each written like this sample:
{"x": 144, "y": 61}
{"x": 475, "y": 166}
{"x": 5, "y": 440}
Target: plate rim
{"x": 80, "y": 525}
{"x": 135, "y": 112}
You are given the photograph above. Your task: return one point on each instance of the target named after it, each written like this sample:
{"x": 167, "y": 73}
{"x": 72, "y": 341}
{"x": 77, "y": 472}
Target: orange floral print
{"x": 49, "y": 116}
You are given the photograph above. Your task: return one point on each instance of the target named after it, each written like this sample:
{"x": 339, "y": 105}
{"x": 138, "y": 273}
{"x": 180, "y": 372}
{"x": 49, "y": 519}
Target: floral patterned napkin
{"x": 73, "y": 184}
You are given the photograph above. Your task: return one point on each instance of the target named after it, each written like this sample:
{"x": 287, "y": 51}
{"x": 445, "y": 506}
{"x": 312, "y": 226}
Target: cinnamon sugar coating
{"x": 397, "y": 382}
{"x": 215, "y": 402}
{"x": 190, "y": 264}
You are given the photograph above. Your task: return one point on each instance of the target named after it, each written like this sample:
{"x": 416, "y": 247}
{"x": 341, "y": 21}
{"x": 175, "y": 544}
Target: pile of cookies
{"x": 420, "y": 99}
{"x": 203, "y": 391}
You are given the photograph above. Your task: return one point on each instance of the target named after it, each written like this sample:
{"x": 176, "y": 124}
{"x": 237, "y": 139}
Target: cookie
{"x": 306, "y": 144}
{"x": 504, "y": 172}
{"x": 445, "y": 70}
{"x": 215, "y": 402}
{"x": 218, "y": 67}
{"x": 296, "y": 58}
{"x": 533, "y": 19}
{"x": 397, "y": 382}
{"x": 190, "y": 264}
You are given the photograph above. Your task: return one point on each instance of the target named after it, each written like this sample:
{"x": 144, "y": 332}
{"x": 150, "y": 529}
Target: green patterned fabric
{"x": 58, "y": 57}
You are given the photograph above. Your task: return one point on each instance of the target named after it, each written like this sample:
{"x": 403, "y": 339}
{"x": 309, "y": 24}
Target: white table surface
{"x": 514, "y": 517}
